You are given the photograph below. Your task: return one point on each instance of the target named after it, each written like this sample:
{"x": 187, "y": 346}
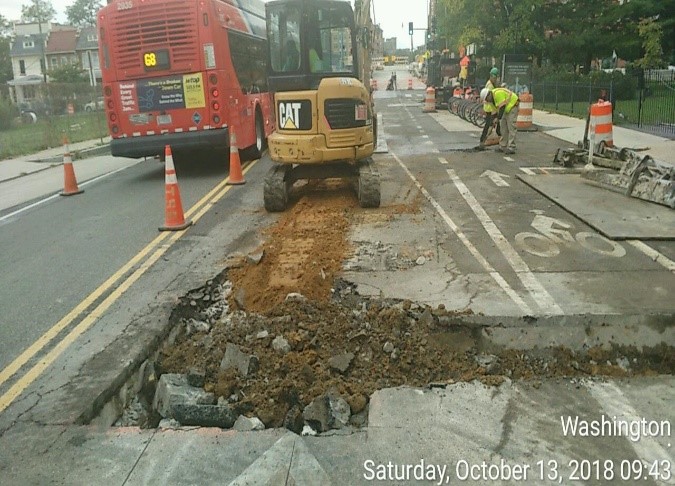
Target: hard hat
{"x": 483, "y": 94}
{"x": 494, "y": 72}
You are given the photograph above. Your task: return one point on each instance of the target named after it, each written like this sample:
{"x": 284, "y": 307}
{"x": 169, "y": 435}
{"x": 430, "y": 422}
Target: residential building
{"x": 58, "y": 45}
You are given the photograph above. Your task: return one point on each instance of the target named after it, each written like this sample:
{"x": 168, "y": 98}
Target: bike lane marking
{"x": 540, "y": 295}
{"x": 497, "y": 277}
{"x": 653, "y": 254}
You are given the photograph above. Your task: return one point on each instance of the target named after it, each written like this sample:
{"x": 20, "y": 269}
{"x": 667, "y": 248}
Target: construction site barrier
{"x": 70, "y": 187}
{"x": 174, "y": 218}
{"x": 430, "y": 100}
{"x": 236, "y": 176}
{"x": 601, "y": 124}
{"x": 524, "y": 119}
{"x": 468, "y": 110}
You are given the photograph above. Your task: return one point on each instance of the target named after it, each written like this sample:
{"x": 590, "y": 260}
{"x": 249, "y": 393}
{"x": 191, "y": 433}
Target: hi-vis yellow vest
{"x": 504, "y": 97}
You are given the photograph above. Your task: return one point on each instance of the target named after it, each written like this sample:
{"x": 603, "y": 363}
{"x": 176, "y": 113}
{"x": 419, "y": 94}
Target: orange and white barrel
{"x": 524, "y": 119}
{"x": 409, "y": 83}
{"x": 601, "y": 123}
{"x": 430, "y": 100}
{"x": 457, "y": 92}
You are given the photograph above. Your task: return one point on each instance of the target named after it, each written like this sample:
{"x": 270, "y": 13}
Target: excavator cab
{"x": 325, "y": 120}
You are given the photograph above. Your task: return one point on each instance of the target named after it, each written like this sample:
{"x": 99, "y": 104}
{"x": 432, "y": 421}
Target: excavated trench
{"x": 279, "y": 336}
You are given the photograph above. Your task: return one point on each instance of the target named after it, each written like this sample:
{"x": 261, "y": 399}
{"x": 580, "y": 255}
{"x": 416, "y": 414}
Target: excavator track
{"x": 368, "y": 186}
{"x": 275, "y": 192}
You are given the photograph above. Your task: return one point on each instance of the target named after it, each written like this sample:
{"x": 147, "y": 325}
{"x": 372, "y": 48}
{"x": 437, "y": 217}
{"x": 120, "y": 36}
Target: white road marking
{"x": 442, "y": 160}
{"x": 469, "y": 246}
{"x": 56, "y": 196}
{"x": 653, "y": 254}
{"x": 528, "y": 171}
{"x": 615, "y": 404}
{"x": 496, "y": 177}
{"x": 509, "y": 159}
{"x": 543, "y": 299}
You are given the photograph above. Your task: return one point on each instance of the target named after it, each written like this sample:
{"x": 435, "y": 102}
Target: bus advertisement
{"x": 184, "y": 73}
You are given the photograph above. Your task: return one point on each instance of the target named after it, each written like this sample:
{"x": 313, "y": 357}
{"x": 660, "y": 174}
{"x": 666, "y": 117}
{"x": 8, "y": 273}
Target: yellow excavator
{"x": 319, "y": 72}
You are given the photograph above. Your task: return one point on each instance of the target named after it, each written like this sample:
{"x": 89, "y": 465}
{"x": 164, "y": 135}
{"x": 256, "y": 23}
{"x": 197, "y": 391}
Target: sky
{"x": 392, "y": 15}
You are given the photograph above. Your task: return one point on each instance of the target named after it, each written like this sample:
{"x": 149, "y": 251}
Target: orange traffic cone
{"x": 236, "y": 176}
{"x": 69, "y": 182}
{"x": 174, "y": 219}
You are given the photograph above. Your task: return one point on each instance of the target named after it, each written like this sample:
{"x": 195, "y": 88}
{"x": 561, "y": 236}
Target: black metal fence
{"x": 644, "y": 101}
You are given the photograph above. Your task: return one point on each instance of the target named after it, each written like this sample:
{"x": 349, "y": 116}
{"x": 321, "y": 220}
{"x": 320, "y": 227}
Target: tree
{"x": 70, "y": 73}
{"x": 82, "y": 13}
{"x": 5, "y": 60}
{"x": 38, "y": 11}
{"x": 651, "y": 33}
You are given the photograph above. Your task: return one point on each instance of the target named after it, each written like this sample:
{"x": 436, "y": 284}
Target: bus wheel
{"x": 255, "y": 151}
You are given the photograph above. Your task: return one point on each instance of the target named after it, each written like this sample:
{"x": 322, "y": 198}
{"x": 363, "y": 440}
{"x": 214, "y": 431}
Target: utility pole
{"x": 38, "y": 12}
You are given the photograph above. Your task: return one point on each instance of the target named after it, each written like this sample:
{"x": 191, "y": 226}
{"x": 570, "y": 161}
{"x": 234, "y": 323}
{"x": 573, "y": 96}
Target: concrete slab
{"x": 597, "y": 207}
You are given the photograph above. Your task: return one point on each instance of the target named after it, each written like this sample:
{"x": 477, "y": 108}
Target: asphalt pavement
{"x": 463, "y": 432}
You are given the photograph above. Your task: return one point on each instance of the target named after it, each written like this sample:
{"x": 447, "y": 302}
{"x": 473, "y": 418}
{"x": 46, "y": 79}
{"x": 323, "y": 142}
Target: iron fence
{"x": 51, "y": 112}
{"x": 642, "y": 102}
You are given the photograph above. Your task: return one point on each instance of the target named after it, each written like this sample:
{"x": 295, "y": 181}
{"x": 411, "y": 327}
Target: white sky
{"x": 392, "y": 15}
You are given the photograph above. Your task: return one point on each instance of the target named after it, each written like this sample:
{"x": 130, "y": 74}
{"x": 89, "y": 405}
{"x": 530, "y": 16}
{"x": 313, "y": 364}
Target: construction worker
{"x": 506, "y": 102}
{"x": 490, "y": 117}
{"x": 489, "y": 109}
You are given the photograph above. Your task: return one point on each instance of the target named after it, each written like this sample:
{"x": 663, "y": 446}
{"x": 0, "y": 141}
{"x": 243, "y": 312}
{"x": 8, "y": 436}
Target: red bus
{"x": 184, "y": 73}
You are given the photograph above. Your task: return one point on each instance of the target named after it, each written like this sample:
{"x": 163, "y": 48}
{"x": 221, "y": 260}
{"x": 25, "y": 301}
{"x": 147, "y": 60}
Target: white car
{"x": 92, "y": 106}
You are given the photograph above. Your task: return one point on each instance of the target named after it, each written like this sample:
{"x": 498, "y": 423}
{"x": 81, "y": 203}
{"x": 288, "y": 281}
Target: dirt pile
{"x": 302, "y": 253}
{"x": 354, "y": 346}
{"x": 326, "y": 339}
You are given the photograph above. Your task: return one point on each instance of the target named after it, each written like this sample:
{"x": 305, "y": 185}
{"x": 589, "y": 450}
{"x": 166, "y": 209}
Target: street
{"x": 88, "y": 285}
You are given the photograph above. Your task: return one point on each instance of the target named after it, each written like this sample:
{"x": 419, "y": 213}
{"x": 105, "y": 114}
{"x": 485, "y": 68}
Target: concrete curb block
{"x": 576, "y": 332}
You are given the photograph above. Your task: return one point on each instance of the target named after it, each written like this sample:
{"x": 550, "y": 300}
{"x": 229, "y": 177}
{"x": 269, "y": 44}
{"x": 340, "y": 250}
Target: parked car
{"x": 94, "y": 105}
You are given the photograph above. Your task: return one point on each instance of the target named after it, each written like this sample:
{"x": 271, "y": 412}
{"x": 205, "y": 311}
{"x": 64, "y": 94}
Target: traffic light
{"x": 410, "y": 28}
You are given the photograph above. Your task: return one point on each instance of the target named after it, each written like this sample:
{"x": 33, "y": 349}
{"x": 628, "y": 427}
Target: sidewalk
{"x": 466, "y": 432}
{"x": 29, "y": 164}
{"x": 571, "y": 130}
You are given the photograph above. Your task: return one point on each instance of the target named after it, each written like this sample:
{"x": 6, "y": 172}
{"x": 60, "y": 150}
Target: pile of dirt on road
{"x": 353, "y": 346}
{"x": 302, "y": 253}
{"x": 326, "y": 338}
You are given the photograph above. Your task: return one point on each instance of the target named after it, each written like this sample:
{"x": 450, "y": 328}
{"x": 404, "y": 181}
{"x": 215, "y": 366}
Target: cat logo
{"x": 295, "y": 114}
{"x": 289, "y": 115}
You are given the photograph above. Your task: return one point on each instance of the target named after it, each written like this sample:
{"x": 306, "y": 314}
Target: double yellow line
{"x": 155, "y": 248}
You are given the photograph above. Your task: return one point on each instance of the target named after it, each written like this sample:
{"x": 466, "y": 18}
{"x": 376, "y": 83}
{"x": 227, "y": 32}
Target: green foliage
{"x": 82, "y": 13}
{"x": 38, "y": 11}
{"x": 622, "y": 86}
{"x": 5, "y": 61}
{"x": 7, "y": 113}
{"x": 650, "y": 33}
{"x": 5, "y": 27}
{"x": 70, "y": 73}
{"x": 573, "y": 32}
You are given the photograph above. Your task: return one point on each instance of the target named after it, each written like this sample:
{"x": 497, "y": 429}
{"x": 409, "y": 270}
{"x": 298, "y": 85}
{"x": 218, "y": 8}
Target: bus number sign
{"x": 154, "y": 60}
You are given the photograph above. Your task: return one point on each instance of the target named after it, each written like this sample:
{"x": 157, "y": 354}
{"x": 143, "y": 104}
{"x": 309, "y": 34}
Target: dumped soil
{"x": 325, "y": 338}
{"x": 303, "y": 252}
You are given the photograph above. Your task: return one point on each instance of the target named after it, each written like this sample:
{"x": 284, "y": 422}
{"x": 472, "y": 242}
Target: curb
{"x": 56, "y": 161}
